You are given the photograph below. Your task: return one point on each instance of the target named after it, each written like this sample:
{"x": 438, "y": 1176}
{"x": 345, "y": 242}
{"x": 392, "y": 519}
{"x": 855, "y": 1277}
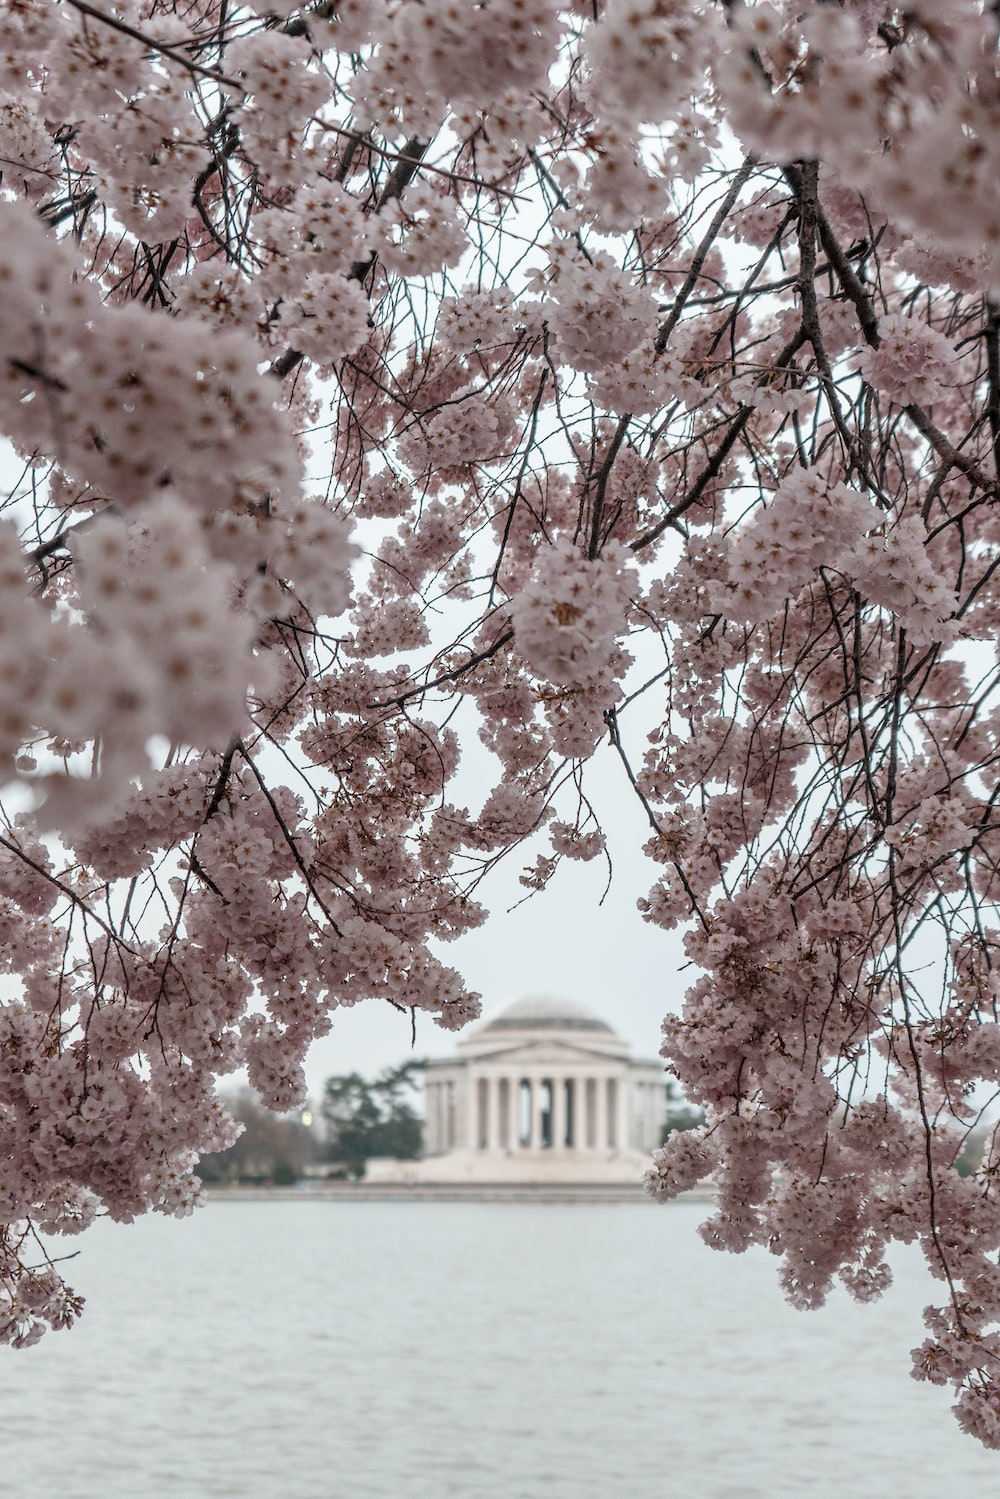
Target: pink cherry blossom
{"x": 393, "y": 377}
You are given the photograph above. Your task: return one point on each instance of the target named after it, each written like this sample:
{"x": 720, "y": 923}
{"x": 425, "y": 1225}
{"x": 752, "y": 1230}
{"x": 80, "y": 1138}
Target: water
{"x": 322, "y": 1350}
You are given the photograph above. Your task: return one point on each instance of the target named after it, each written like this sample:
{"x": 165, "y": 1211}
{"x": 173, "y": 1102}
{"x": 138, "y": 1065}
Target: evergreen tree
{"x": 372, "y": 1118}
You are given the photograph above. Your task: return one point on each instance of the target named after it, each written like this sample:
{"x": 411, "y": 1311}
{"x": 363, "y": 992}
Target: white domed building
{"x": 543, "y": 1092}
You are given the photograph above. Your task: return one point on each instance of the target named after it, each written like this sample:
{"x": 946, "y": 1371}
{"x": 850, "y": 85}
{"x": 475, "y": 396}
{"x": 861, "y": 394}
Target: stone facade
{"x": 545, "y": 1091}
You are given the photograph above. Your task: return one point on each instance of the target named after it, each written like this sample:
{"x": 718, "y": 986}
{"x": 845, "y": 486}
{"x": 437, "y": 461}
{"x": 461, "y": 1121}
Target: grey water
{"x": 324, "y": 1350}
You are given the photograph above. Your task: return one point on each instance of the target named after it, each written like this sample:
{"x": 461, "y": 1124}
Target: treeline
{"x": 359, "y": 1118}
{"x": 680, "y": 1115}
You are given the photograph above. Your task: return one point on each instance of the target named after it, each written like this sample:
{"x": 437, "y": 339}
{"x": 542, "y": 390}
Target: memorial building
{"x": 545, "y": 1091}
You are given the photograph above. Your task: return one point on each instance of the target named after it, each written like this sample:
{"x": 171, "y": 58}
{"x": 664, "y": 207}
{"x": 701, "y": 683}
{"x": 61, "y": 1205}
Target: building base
{"x": 517, "y": 1167}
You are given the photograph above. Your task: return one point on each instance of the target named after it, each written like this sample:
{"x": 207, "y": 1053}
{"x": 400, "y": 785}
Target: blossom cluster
{"x": 807, "y": 525}
{"x": 568, "y": 616}
{"x": 597, "y": 314}
{"x": 912, "y": 362}
{"x": 647, "y": 56}
{"x": 479, "y": 53}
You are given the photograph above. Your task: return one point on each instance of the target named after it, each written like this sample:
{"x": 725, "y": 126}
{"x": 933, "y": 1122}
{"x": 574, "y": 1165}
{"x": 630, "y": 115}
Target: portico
{"x": 544, "y": 1087}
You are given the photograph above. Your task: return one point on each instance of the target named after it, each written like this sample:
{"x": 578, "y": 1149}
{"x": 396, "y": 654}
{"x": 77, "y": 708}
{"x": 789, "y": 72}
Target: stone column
{"x": 503, "y": 1112}
{"x": 471, "y": 1121}
{"x": 430, "y": 1115}
{"x": 558, "y": 1113}
{"x": 621, "y": 1124}
{"x": 492, "y": 1113}
{"x": 521, "y": 1082}
{"x": 601, "y": 1134}
{"x": 536, "y": 1113}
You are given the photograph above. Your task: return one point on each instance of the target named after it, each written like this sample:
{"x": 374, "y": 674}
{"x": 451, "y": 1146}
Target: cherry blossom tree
{"x": 383, "y": 374}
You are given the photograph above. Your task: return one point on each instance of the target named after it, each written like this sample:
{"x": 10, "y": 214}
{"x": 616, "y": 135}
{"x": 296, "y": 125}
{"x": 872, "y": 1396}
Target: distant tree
{"x": 377, "y": 1118}
{"x": 680, "y": 1115}
{"x": 271, "y": 1148}
{"x": 970, "y": 1160}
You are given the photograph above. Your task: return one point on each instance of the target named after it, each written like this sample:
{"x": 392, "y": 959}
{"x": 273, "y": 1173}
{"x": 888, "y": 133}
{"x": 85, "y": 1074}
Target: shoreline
{"x": 569, "y": 1192}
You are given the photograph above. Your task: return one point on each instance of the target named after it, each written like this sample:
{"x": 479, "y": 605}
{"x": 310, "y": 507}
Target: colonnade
{"x": 531, "y": 1112}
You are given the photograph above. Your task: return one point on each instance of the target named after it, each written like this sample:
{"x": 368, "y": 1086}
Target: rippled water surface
{"x": 318, "y": 1350}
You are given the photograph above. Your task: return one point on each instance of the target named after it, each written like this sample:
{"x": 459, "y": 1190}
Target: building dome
{"x": 544, "y": 1012}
